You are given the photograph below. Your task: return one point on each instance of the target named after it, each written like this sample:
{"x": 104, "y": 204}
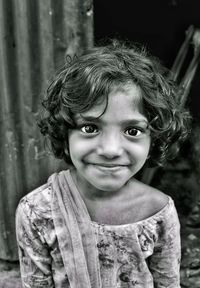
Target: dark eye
{"x": 133, "y": 132}
{"x": 89, "y": 129}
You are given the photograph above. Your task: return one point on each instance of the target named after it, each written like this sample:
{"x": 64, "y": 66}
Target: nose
{"x": 110, "y": 145}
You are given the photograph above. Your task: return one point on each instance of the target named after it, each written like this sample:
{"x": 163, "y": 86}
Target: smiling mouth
{"x": 108, "y": 166}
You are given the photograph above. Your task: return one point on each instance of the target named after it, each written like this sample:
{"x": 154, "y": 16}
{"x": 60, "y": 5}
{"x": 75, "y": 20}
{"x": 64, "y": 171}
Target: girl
{"x": 108, "y": 112}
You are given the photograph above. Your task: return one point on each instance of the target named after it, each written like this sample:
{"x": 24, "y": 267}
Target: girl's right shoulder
{"x": 37, "y": 203}
{"x": 34, "y": 221}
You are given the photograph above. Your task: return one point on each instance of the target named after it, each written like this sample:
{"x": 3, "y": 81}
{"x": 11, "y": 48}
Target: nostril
{"x": 110, "y": 151}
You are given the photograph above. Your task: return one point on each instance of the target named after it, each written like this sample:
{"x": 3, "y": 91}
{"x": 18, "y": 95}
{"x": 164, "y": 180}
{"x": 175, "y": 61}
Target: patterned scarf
{"x": 74, "y": 232}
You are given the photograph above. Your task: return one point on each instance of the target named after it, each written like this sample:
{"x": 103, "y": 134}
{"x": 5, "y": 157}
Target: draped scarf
{"x": 74, "y": 232}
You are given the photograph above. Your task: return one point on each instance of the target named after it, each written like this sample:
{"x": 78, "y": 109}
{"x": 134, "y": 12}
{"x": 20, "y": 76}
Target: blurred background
{"x": 36, "y": 36}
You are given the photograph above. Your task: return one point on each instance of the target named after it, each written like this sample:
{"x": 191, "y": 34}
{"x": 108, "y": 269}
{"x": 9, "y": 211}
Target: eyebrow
{"x": 98, "y": 120}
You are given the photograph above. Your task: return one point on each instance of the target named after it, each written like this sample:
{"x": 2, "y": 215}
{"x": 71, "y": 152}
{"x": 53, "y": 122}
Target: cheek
{"x": 74, "y": 144}
{"x": 78, "y": 147}
{"x": 141, "y": 151}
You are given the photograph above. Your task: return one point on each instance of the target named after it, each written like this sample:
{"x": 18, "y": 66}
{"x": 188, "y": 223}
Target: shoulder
{"x": 36, "y": 204}
{"x": 34, "y": 221}
{"x": 153, "y": 204}
{"x": 157, "y": 198}
{"x": 161, "y": 208}
{"x": 151, "y": 199}
{"x": 160, "y": 211}
{"x": 162, "y": 205}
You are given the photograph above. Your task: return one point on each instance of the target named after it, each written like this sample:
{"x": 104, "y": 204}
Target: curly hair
{"x": 86, "y": 79}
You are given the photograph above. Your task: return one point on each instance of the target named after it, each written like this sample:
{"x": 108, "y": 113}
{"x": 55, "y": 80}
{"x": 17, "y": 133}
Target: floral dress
{"x": 144, "y": 254}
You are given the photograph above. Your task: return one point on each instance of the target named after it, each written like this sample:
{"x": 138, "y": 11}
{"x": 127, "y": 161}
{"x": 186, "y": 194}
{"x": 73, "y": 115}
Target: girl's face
{"x": 108, "y": 149}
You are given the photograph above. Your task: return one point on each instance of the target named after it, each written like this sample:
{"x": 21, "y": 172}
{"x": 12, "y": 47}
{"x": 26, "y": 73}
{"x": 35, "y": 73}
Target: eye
{"x": 133, "y": 132}
{"x": 89, "y": 128}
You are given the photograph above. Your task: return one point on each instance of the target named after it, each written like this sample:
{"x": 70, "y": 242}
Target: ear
{"x": 67, "y": 157}
{"x": 66, "y": 148}
{"x": 66, "y": 151}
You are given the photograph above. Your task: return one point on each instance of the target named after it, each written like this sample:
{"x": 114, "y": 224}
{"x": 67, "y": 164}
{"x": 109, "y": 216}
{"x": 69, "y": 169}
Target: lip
{"x": 108, "y": 167}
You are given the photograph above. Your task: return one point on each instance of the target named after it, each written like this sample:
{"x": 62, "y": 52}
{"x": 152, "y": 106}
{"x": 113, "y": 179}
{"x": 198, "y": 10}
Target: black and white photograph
{"x": 99, "y": 144}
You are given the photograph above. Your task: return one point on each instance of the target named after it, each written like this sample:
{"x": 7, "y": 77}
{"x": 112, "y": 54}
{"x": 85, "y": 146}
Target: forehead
{"x": 122, "y": 102}
{"x": 130, "y": 94}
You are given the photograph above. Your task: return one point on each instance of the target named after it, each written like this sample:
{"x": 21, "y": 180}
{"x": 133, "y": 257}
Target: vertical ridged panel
{"x": 35, "y": 36}
{"x": 10, "y": 170}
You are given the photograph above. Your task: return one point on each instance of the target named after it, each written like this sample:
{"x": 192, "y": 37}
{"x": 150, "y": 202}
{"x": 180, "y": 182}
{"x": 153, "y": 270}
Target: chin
{"x": 109, "y": 187}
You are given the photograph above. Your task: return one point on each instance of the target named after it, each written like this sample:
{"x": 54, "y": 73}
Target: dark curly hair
{"x": 86, "y": 79}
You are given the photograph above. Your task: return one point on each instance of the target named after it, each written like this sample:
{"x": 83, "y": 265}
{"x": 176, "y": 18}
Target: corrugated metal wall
{"x": 35, "y": 36}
